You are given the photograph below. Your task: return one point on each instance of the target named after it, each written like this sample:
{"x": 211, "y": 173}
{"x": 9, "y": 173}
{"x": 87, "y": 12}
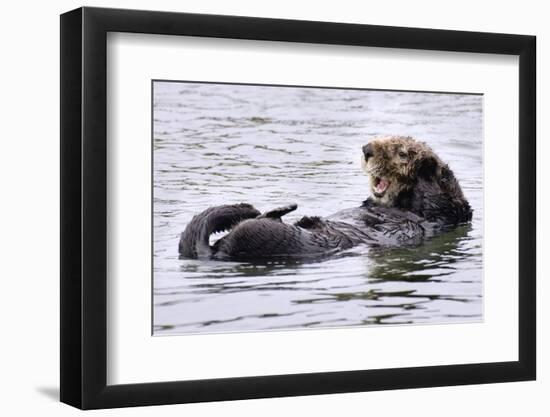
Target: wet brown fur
{"x": 423, "y": 197}
{"x": 419, "y": 180}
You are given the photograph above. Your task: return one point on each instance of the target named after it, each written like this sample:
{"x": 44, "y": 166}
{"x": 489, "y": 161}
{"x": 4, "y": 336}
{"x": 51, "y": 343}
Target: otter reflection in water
{"x": 414, "y": 196}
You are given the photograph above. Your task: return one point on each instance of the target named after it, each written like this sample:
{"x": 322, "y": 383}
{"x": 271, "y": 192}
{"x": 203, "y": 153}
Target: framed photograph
{"x": 259, "y": 208}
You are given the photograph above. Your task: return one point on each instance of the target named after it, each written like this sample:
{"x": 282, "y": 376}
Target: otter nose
{"x": 367, "y": 151}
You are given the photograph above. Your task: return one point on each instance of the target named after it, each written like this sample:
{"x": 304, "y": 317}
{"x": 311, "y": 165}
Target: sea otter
{"x": 414, "y": 195}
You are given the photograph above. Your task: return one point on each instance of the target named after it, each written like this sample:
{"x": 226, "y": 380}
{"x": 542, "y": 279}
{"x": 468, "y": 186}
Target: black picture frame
{"x": 84, "y": 207}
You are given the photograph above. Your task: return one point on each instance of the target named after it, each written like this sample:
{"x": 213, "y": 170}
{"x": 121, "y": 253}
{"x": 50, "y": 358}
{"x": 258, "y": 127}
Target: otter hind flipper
{"x": 194, "y": 241}
{"x": 279, "y": 212}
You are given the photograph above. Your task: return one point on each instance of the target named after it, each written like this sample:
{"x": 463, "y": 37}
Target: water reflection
{"x": 216, "y": 144}
{"x": 432, "y": 260}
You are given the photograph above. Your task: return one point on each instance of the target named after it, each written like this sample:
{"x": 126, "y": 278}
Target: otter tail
{"x": 194, "y": 241}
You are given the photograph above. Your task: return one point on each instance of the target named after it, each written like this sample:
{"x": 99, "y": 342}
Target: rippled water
{"x": 219, "y": 144}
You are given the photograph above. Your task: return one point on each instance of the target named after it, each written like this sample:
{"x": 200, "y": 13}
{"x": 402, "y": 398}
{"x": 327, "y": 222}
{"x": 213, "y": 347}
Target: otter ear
{"x": 427, "y": 168}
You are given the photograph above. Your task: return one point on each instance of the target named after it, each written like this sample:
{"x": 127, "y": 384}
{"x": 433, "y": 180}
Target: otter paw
{"x": 279, "y": 211}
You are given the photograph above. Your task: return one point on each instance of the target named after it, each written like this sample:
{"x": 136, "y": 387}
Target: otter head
{"x": 407, "y": 174}
{"x": 395, "y": 164}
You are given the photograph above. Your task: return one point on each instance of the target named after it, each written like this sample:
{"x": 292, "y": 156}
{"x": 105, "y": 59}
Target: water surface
{"x": 221, "y": 144}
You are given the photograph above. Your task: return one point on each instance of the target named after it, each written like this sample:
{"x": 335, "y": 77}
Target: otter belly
{"x": 260, "y": 238}
{"x": 253, "y": 235}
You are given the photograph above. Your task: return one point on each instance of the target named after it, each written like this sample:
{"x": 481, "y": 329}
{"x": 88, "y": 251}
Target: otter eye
{"x": 402, "y": 154}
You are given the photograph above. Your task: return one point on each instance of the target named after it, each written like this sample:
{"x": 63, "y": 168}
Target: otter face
{"x": 395, "y": 164}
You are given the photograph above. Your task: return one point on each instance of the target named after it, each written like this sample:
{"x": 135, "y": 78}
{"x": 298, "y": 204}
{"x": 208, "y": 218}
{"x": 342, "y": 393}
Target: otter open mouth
{"x": 380, "y": 185}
